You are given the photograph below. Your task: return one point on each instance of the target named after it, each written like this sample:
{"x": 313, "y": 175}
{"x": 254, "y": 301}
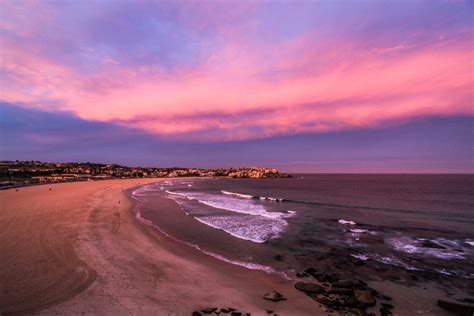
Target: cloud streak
{"x": 184, "y": 71}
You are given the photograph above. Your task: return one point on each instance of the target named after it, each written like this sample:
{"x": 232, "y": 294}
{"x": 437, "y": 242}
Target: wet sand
{"x": 78, "y": 249}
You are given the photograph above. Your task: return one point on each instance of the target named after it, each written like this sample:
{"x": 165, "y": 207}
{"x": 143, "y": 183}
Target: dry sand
{"x": 75, "y": 249}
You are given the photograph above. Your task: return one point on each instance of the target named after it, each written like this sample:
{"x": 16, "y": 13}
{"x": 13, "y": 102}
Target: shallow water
{"x": 407, "y": 227}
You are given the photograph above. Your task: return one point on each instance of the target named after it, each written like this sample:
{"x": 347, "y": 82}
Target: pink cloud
{"x": 297, "y": 86}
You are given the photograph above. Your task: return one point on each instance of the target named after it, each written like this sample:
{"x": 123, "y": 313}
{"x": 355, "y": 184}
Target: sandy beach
{"x": 77, "y": 248}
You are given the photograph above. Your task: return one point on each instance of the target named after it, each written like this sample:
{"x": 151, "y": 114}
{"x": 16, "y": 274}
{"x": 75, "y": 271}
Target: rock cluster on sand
{"x": 352, "y": 296}
{"x": 274, "y": 296}
{"x": 460, "y": 309}
{"x": 220, "y": 311}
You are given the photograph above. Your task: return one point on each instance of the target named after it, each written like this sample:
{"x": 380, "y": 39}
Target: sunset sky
{"x": 304, "y": 86}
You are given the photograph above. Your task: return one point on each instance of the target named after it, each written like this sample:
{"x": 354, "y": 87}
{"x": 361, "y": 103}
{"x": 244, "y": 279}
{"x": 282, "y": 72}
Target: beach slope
{"x": 77, "y": 248}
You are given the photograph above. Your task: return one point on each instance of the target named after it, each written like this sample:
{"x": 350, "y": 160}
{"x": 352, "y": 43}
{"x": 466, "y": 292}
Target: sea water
{"x": 404, "y": 227}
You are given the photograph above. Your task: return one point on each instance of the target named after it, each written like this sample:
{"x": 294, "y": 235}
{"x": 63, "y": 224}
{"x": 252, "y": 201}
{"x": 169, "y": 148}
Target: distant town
{"x": 23, "y": 173}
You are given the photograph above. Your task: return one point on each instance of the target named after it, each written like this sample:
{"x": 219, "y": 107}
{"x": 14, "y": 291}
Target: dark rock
{"x": 309, "y": 287}
{"x": 386, "y": 305}
{"x": 364, "y": 297}
{"x": 468, "y": 300}
{"x": 461, "y": 309}
{"x": 322, "y": 299}
{"x": 278, "y": 258}
{"x": 386, "y": 297}
{"x": 196, "y": 313}
{"x": 269, "y": 311}
{"x": 339, "y": 290}
{"x": 231, "y": 309}
{"x": 373, "y": 292}
{"x": 430, "y": 244}
{"x": 300, "y": 275}
{"x": 209, "y": 310}
{"x": 225, "y": 310}
{"x": 310, "y": 271}
{"x": 357, "y": 312}
{"x": 385, "y": 312}
{"x": 331, "y": 278}
{"x": 235, "y": 314}
{"x": 343, "y": 283}
{"x": 274, "y": 296}
{"x": 346, "y": 301}
{"x": 359, "y": 262}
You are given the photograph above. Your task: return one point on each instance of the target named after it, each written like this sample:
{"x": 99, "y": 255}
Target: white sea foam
{"x": 245, "y": 196}
{"x": 247, "y": 265}
{"x": 461, "y": 274}
{"x": 252, "y": 222}
{"x": 390, "y": 260}
{"x": 361, "y": 257}
{"x": 415, "y": 246}
{"x": 230, "y": 203}
{"x": 469, "y": 242}
{"x": 146, "y": 190}
{"x": 345, "y": 222}
{"x": 358, "y": 231}
{"x": 256, "y": 229}
{"x": 394, "y": 262}
{"x": 269, "y": 198}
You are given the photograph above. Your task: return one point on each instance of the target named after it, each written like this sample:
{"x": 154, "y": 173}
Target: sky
{"x": 304, "y": 86}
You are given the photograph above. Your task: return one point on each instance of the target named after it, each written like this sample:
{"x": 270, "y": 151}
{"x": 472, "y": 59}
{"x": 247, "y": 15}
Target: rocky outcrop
{"x": 460, "y": 309}
{"x": 311, "y": 288}
{"x": 364, "y": 297}
{"x": 350, "y": 296}
{"x": 219, "y": 311}
{"x": 274, "y": 296}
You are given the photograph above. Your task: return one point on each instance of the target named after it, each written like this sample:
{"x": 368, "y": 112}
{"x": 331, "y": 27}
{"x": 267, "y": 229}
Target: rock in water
{"x": 461, "y": 309}
{"x": 274, "y": 296}
{"x": 364, "y": 297}
{"x": 430, "y": 244}
{"x": 309, "y": 287}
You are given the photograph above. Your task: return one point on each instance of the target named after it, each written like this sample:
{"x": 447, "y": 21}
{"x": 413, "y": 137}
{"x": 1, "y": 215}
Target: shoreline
{"x": 78, "y": 248}
{"x": 86, "y": 229}
{"x": 422, "y": 297}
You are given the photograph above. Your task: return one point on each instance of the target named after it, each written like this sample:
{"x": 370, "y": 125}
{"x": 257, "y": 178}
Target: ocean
{"x": 404, "y": 228}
